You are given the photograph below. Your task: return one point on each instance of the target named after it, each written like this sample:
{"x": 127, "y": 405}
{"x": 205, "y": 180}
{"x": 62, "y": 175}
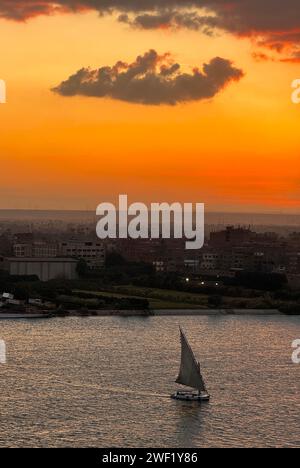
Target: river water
{"x": 105, "y": 382}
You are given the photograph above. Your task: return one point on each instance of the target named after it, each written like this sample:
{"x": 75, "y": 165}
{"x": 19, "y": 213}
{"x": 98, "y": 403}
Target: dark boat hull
{"x": 191, "y": 396}
{"x": 13, "y": 316}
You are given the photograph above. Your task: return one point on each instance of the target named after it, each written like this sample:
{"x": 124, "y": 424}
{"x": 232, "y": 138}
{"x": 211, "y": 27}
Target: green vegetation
{"x": 158, "y": 298}
{"x": 124, "y": 286}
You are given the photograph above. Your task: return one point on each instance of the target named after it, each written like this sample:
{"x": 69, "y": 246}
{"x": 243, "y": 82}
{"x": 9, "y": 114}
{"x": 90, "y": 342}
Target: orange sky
{"x": 236, "y": 152}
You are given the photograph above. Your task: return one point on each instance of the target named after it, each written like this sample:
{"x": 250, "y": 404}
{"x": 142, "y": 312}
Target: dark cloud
{"x": 171, "y": 19}
{"x": 294, "y": 58}
{"x": 275, "y": 22}
{"x": 152, "y": 79}
{"x": 21, "y": 10}
{"x": 242, "y": 16}
{"x": 286, "y": 44}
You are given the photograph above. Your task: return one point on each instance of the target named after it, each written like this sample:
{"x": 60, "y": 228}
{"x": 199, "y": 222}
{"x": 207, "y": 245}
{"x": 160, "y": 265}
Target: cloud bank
{"x": 274, "y": 24}
{"x": 152, "y": 79}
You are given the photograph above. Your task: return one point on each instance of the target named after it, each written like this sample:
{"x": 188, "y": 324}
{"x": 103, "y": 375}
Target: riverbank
{"x": 140, "y": 313}
{"x": 195, "y": 312}
{"x": 169, "y": 312}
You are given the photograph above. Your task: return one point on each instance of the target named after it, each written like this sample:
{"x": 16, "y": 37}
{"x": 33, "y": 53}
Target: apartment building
{"x": 92, "y": 252}
{"x": 35, "y": 249}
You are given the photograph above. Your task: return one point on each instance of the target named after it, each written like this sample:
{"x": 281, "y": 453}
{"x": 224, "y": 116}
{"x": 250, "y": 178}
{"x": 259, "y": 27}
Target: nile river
{"x": 105, "y": 382}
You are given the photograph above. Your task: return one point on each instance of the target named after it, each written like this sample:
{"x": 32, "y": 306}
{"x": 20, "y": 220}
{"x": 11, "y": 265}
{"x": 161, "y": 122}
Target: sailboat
{"x": 190, "y": 375}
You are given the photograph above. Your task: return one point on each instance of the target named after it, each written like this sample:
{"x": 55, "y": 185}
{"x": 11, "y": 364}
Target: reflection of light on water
{"x": 58, "y": 371}
{"x": 116, "y": 390}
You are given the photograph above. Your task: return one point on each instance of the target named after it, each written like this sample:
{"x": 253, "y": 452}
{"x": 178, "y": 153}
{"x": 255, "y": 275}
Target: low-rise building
{"x": 35, "y": 249}
{"x": 230, "y": 236}
{"x": 209, "y": 261}
{"x": 294, "y": 262}
{"x": 159, "y": 266}
{"x": 92, "y": 252}
{"x": 44, "y": 268}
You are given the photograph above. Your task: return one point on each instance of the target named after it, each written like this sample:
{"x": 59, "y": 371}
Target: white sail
{"x": 189, "y": 373}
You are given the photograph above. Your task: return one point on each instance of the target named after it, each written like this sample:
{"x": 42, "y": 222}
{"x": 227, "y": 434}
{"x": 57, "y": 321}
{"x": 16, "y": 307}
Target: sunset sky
{"x": 226, "y": 134}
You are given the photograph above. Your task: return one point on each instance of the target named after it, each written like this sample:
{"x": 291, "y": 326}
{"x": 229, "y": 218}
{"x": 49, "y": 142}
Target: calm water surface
{"x": 106, "y": 382}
